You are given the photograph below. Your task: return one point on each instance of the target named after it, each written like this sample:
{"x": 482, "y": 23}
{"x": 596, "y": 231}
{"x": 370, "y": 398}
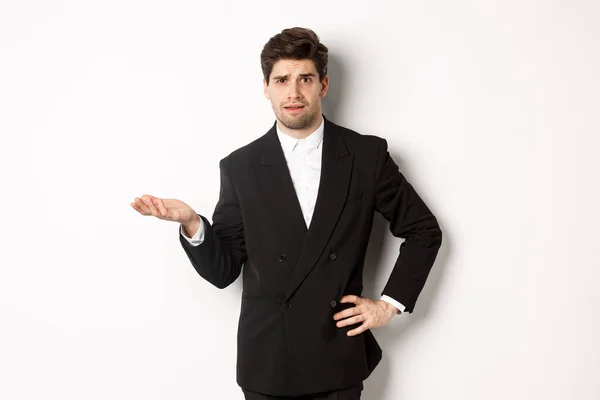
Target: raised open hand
{"x": 166, "y": 209}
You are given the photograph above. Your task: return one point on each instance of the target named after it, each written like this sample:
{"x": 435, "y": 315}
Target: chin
{"x": 297, "y": 122}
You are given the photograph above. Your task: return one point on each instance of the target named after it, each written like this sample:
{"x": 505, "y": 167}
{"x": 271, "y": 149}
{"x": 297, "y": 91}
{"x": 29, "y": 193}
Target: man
{"x": 295, "y": 210}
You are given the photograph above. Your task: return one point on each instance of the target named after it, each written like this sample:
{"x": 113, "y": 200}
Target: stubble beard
{"x": 298, "y": 121}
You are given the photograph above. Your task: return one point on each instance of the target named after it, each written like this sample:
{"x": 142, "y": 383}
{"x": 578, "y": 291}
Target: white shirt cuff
{"x": 393, "y": 302}
{"x": 198, "y": 238}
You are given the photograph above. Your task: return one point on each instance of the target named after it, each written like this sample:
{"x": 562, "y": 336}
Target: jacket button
{"x": 282, "y": 257}
{"x": 333, "y": 303}
{"x": 332, "y": 256}
{"x": 287, "y": 305}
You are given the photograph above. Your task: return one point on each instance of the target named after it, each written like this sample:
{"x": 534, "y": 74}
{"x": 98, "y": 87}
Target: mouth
{"x": 294, "y": 108}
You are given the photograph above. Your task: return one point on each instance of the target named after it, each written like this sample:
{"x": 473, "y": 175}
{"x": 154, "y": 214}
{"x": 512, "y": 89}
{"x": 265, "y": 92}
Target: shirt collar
{"x": 310, "y": 142}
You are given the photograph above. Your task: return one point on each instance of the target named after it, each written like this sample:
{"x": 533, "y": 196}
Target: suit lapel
{"x": 277, "y": 189}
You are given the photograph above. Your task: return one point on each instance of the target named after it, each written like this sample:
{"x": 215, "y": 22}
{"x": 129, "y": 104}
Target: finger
{"x": 358, "y": 330}
{"x": 146, "y": 198}
{"x": 350, "y": 298}
{"x": 161, "y": 207}
{"x": 136, "y": 207}
{"x": 351, "y": 321}
{"x": 148, "y": 201}
{"x": 143, "y": 208}
{"x": 347, "y": 313}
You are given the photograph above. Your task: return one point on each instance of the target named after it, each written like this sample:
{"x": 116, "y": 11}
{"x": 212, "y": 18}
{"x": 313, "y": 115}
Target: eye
{"x": 280, "y": 80}
{"x": 305, "y": 79}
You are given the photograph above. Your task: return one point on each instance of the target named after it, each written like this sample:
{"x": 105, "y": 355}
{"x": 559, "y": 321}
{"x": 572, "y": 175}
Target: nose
{"x": 294, "y": 91}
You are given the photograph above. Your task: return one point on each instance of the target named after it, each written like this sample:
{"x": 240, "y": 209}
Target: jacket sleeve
{"x": 411, "y": 219}
{"x": 220, "y": 257}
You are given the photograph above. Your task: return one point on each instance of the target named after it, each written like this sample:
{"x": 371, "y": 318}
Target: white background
{"x": 489, "y": 107}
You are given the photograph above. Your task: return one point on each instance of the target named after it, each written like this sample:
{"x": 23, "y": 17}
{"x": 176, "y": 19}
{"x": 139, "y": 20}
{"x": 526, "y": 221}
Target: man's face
{"x": 295, "y": 93}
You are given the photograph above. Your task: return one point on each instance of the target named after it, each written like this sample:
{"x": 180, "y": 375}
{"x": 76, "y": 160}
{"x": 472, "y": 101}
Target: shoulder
{"x": 359, "y": 142}
{"x": 246, "y": 155}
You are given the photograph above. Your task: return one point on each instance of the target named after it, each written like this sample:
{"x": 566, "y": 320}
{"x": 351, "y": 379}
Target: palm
{"x": 174, "y": 209}
{"x": 166, "y": 209}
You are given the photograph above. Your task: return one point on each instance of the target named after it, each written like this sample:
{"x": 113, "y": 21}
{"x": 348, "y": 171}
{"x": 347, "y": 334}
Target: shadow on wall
{"x": 389, "y": 336}
{"x": 376, "y": 384}
{"x": 332, "y": 101}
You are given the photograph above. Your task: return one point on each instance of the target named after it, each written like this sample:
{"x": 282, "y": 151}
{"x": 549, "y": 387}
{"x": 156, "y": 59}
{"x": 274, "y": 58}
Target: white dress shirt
{"x": 303, "y": 157}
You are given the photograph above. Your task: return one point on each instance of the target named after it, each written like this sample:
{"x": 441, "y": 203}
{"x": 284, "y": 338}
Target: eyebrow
{"x": 304, "y": 75}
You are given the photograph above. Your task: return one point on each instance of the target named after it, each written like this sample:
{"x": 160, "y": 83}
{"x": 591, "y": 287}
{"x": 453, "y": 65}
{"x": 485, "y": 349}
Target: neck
{"x": 301, "y": 133}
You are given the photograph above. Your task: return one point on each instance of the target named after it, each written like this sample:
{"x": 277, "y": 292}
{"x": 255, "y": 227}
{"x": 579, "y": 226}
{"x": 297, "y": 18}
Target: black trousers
{"x": 350, "y": 393}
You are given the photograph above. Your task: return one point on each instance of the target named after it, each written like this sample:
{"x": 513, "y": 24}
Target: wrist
{"x": 389, "y": 308}
{"x": 190, "y": 228}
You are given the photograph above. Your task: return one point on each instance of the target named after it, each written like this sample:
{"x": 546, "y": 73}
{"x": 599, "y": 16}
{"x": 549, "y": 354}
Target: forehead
{"x": 293, "y": 67}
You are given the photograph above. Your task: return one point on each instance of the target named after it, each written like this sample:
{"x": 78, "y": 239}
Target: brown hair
{"x": 294, "y": 44}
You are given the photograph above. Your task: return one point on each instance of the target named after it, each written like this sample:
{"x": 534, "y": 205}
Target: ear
{"x": 324, "y": 86}
{"x": 266, "y": 89}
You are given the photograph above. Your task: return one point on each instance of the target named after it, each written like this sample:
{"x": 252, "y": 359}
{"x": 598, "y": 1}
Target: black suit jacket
{"x": 294, "y": 277}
